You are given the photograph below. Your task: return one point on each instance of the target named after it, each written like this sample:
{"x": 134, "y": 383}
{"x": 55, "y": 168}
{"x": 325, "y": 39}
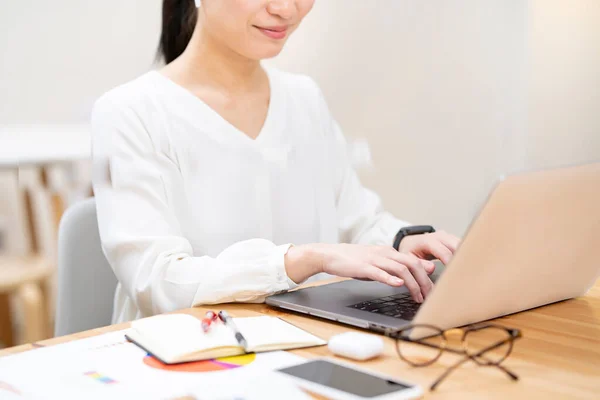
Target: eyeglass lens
{"x": 477, "y": 341}
{"x": 431, "y": 343}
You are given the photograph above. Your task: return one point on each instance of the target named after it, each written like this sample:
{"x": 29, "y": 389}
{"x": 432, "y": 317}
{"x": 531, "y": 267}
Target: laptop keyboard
{"x": 399, "y": 306}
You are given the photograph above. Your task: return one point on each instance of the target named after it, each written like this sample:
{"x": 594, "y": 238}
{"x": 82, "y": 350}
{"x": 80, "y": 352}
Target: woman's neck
{"x": 208, "y": 62}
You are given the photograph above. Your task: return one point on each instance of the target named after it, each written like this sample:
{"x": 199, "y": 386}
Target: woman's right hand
{"x": 378, "y": 263}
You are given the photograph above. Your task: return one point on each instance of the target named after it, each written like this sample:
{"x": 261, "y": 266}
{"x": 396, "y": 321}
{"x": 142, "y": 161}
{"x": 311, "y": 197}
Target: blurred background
{"x": 449, "y": 96}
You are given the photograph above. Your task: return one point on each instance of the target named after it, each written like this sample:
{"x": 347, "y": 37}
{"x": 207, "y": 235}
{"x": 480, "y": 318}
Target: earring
{"x": 198, "y": 3}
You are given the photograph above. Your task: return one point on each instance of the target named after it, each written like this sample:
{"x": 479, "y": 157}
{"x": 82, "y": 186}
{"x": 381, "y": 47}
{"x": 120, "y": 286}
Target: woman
{"x": 229, "y": 181}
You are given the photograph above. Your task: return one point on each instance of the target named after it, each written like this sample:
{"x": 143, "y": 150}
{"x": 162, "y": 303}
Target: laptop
{"x": 534, "y": 242}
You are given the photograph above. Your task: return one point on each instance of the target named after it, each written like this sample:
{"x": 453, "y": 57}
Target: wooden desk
{"x": 558, "y": 356}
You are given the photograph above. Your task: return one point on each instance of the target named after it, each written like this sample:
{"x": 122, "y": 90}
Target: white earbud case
{"x": 357, "y": 346}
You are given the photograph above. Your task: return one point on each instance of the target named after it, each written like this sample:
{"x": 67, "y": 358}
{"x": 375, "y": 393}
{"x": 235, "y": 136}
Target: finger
{"x": 406, "y": 258}
{"x": 450, "y": 241}
{"x": 422, "y": 278}
{"x": 419, "y": 270}
{"x": 377, "y": 274}
{"x": 411, "y": 259}
{"x": 428, "y": 266}
{"x": 439, "y": 251}
{"x": 402, "y": 271}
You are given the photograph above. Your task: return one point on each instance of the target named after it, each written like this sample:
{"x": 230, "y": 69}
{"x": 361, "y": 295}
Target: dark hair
{"x": 178, "y": 24}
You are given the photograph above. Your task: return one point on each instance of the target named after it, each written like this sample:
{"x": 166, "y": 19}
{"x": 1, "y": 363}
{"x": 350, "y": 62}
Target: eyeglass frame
{"x": 513, "y": 333}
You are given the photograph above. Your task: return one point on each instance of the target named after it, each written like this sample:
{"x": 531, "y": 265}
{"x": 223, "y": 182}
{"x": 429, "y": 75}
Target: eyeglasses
{"x": 487, "y": 345}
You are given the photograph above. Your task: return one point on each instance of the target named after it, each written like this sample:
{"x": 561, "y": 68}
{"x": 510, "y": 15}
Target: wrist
{"x": 405, "y": 244}
{"x": 407, "y": 231}
{"x": 302, "y": 262}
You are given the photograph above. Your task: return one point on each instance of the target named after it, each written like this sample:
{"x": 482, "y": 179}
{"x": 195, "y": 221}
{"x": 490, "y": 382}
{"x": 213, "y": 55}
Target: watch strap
{"x": 409, "y": 231}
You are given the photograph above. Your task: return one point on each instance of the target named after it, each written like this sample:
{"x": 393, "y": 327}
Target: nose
{"x": 282, "y": 8}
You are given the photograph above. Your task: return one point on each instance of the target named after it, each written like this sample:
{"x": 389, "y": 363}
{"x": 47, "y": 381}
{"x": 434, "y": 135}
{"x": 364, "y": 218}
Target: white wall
{"x": 564, "y": 84}
{"x": 436, "y": 87}
{"x": 449, "y": 93}
{"x": 57, "y": 56}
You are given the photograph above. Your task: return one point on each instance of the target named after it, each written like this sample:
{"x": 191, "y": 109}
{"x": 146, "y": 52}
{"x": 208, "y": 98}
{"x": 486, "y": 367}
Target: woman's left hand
{"x": 437, "y": 245}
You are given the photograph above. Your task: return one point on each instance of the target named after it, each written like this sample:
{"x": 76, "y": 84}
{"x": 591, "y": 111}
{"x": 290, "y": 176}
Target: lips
{"x": 278, "y": 32}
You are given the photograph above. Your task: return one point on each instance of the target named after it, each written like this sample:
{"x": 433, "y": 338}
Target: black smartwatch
{"x": 409, "y": 231}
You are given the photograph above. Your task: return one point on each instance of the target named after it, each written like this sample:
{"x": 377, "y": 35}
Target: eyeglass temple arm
{"x": 508, "y": 372}
{"x": 461, "y": 362}
{"x": 479, "y": 354}
{"x": 448, "y": 372}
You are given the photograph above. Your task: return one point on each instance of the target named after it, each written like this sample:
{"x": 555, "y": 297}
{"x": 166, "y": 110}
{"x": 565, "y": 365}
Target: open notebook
{"x": 177, "y": 338}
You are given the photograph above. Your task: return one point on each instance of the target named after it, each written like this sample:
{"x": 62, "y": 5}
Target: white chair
{"x": 86, "y": 282}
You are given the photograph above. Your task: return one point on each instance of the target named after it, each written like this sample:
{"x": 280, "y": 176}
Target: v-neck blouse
{"x": 196, "y": 212}
{"x": 271, "y": 125}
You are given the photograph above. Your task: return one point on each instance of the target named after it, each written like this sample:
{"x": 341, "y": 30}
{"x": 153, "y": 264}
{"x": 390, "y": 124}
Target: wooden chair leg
{"x": 48, "y": 288}
{"x": 6, "y": 325}
{"x": 35, "y": 322}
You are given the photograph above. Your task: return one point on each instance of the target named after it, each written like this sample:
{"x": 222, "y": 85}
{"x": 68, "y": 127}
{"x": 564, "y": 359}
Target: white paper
{"x": 250, "y": 385}
{"x": 109, "y": 367}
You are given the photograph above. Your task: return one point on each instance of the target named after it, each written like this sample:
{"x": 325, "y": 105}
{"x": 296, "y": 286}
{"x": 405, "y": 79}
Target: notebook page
{"x": 179, "y": 334}
{"x": 265, "y": 331}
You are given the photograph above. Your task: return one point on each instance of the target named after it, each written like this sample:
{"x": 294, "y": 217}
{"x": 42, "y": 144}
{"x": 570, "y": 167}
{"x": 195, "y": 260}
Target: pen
{"x": 231, "y": 325}
{"x": 209, "y": 318}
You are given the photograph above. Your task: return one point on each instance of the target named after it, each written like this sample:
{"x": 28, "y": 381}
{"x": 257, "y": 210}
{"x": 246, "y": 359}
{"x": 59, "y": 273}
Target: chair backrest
{"x": 86, "y": 282}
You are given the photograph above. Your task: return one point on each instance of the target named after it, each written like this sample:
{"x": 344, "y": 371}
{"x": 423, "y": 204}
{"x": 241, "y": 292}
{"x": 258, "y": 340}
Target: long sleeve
{"x": 142, "y": 237}
{"x": 361, "y": 217}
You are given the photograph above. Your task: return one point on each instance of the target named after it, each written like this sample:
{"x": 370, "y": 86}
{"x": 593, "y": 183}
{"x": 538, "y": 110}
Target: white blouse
{"x": 196, "y": 212}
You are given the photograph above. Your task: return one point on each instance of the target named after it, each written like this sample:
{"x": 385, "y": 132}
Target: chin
{"x": 265, "y": 51}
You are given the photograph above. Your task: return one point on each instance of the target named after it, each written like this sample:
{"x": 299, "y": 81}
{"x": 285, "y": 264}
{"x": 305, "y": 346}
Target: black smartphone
{"x": 346, "y": 382}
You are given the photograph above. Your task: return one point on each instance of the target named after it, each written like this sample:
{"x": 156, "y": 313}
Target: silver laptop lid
{"x": 535, "y": 242}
